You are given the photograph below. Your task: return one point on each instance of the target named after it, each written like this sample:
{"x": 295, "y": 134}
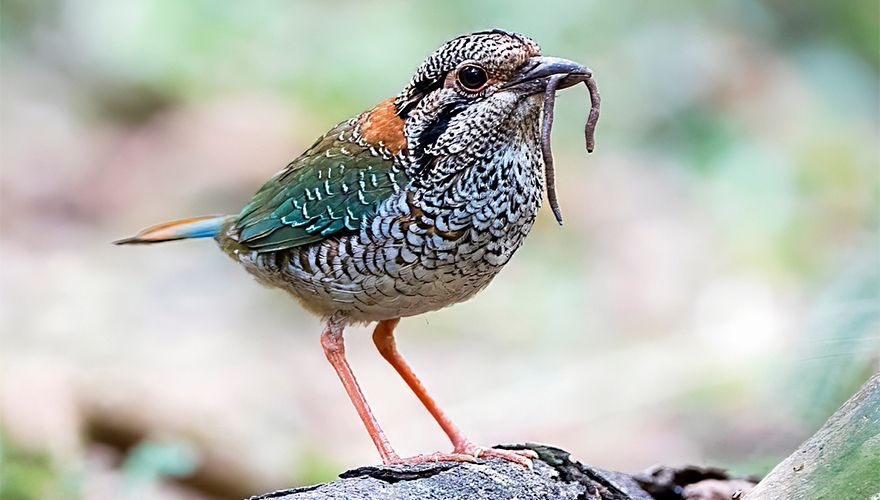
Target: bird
{"x": 411, "y": 206}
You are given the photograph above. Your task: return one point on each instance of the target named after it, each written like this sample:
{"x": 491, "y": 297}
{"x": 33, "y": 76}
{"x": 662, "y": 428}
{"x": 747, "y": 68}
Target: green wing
{"x": 330, "y": 190}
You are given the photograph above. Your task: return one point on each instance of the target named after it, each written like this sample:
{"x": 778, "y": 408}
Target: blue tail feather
{"x": 196, "y": 227}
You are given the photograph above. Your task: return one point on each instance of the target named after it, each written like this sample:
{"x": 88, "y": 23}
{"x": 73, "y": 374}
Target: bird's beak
{"x": 535, "y": 74}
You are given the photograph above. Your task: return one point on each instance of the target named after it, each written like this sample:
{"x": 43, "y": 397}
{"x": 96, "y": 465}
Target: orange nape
{"x": 382, "y": 124}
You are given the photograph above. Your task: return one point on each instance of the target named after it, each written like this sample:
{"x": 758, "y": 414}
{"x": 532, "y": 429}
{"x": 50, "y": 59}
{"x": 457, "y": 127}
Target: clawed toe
{"x": 433, "y": 458}
{"x": 523, "y": 457}
{"x": 469, "y": 453}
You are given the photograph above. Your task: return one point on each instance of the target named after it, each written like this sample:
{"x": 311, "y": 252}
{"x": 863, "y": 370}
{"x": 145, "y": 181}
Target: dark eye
{"x": 472, "y": 77}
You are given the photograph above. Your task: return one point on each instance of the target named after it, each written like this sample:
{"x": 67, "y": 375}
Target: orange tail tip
{"x": 195, "y": 227}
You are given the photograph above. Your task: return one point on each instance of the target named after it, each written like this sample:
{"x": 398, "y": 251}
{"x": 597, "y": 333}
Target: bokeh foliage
{"x": 719, "y": 262}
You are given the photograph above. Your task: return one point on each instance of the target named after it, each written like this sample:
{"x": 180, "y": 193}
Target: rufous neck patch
{"x": 382, "y": 124}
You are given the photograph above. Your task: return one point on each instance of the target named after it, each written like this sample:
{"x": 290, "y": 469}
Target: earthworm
{"x": 547, "y": 124}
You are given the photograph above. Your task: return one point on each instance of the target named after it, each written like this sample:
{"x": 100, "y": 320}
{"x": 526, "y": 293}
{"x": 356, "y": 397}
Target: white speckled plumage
{"x": 395, "y": 267}
{"x": 443, "y": 235}
{"x": 409, "y": 207}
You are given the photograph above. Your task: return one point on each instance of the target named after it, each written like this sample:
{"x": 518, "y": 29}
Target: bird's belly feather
{"x": 392, "y": 269}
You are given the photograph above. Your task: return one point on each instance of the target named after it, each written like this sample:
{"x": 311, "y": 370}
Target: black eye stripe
{"x": 422, "y": 88}
{"x": 425, "y": 87}
{"x": 436, "y": 129}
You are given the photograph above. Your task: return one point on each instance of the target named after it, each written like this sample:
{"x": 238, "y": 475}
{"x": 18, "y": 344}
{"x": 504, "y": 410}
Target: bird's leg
{"x": 383, "y": 337}
{"x": 334, "y": 349}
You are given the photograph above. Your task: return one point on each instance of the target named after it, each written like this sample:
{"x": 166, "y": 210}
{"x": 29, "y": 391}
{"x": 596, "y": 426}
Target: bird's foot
{"x": 431, "y": 458}
{"x": 469, "y": 453}
{"x": 523, "y": 457}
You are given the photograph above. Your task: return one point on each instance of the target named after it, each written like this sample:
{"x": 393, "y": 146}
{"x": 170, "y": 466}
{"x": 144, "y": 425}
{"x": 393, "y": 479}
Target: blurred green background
{"x": 712, "y": 298}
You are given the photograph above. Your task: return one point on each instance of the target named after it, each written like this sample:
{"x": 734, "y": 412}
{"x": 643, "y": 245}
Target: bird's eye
{"x": 472, "y": 77}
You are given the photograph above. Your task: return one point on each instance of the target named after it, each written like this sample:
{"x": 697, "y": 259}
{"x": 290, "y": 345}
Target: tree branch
{"x": 554, "y": 476}
{"x": 840, "y": 461}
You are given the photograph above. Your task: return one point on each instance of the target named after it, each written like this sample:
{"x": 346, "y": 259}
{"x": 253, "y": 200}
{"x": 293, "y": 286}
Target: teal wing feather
{"x": 332, "y": 189}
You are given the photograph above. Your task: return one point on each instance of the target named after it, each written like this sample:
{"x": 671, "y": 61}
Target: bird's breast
{"x": 478, "y": 220}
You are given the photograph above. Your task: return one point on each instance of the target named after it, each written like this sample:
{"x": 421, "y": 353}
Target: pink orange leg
{"x": 463, "y": 448}
{"x": 334, "y": 349}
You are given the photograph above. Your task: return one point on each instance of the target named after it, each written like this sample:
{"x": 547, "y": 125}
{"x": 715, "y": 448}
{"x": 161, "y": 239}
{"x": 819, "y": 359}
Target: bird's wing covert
{"x": 332, "y": 189}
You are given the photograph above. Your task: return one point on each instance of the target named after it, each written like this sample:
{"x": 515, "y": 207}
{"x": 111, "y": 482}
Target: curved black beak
{"x": 536, "y": 72}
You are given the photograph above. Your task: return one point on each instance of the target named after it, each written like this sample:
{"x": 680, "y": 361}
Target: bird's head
{"x": 471, "y": 88}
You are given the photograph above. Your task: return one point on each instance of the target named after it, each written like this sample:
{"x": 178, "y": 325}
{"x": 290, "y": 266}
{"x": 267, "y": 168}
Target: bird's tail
{"x": 195, "y": 227}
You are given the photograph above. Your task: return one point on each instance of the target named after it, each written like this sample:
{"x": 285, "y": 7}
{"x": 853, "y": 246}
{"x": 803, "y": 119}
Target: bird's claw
{"x": 432, "y": 458}
{"x": 469, "y": 453}
{"x": 523, "y": 457}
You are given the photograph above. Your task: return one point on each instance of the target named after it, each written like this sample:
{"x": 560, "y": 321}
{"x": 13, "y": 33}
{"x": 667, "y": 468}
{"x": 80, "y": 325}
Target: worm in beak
{"x": 589, "y": 128}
